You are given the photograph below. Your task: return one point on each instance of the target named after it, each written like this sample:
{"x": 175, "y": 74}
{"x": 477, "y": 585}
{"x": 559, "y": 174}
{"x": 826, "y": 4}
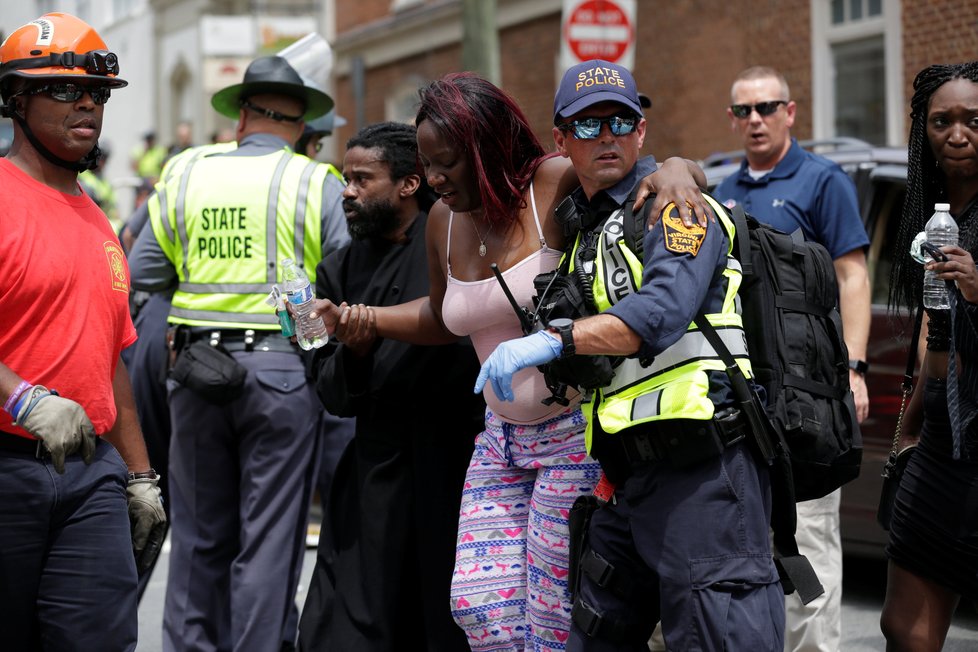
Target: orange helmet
{"x": 58, "y": 45}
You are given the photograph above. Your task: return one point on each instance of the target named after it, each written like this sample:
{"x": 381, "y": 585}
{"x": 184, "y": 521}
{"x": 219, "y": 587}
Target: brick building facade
{"x": 687, "y": 52}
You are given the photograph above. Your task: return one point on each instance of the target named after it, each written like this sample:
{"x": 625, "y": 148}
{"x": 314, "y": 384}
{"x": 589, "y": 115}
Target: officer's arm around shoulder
{"x": 682, "y": 268}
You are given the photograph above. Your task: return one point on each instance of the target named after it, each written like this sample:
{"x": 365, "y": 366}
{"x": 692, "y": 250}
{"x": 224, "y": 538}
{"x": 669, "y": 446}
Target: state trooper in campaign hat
{"x": 240, "y": 403}
{"x": 272, "y": 75}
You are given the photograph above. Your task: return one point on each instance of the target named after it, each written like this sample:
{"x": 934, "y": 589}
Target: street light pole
{"x": 480, "y": 39}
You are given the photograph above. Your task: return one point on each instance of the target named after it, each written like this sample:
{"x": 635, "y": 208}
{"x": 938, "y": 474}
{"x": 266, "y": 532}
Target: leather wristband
{"x": 859, "y": 366}
{"x": 143, "y": 475}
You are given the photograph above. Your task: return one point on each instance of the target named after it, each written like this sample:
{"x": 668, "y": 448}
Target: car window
{"x": 882, "y": 220}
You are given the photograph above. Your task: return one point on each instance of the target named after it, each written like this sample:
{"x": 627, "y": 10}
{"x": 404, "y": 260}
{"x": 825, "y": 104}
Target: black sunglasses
{"x": 72, "y": 92}
{"x": 762, "y": 108}
{"x": 590, "y": 128}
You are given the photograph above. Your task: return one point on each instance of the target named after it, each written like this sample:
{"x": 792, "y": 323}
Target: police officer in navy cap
{"x": 684, "y": 535}
{"x": 245, "y": 421}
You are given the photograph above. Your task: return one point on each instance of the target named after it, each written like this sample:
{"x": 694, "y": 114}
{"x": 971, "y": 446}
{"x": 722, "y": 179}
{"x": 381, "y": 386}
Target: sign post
{"x": 598, "y": 29}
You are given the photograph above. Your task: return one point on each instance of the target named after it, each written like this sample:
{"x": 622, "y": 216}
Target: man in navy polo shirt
{"x": 787, "y": 187}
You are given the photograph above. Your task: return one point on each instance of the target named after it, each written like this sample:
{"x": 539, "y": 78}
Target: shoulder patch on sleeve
{"x": 679, "y": 238}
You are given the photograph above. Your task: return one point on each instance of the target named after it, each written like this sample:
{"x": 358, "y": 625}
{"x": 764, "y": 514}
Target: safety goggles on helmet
{"x": 71, "y": 92}
{"x": 96, "y": 62}
{"x": 590, "y": 128}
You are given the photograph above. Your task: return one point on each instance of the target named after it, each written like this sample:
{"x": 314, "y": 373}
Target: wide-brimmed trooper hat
{"x": 271, "y": 75}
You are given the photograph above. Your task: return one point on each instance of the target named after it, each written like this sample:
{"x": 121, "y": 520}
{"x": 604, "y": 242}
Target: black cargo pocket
{"x": 734, "y": 605}
{"x": 281, "y": 381}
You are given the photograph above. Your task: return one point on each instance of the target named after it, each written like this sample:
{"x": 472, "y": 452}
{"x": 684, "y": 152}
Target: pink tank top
{"x": 481, "y": 310}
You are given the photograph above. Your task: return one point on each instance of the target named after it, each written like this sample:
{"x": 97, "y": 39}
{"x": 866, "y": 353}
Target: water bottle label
{"x": 300, "y": 296}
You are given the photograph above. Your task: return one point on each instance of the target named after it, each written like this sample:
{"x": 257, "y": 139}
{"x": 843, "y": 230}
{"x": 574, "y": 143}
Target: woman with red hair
{"x": 499, "y": 190}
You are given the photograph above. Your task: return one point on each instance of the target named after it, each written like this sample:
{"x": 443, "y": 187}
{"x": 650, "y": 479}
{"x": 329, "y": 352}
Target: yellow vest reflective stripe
{"x": 175, "y": 165}
{"x": 226, "y": 244}
{"x": 675, "y": 385}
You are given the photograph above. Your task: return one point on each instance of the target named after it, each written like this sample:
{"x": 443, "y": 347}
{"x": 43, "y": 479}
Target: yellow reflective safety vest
{"x": 675, "y": 385}
{"x": 225, "y": 222}
{"x": 103, "y": 194}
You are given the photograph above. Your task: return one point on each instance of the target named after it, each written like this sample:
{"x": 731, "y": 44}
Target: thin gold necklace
{"x": 482, "y": 240}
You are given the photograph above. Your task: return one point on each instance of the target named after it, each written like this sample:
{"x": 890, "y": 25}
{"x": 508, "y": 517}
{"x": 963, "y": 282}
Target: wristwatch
{"x": 565, "y": 329}
{"x": 143, "y": 475}
{"x": 859, "y": 366}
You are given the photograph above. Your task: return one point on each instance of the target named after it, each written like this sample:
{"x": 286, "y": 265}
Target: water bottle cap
{"x": 942, "y": 207}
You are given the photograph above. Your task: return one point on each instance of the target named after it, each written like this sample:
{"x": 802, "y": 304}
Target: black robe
{"x": 387, "y": 550}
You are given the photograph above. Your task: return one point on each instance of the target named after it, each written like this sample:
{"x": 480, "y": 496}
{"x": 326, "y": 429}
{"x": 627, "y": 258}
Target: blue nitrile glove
{"x": 513, "y": 355}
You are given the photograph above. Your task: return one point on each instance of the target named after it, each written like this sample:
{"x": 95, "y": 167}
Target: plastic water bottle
{"x": 941, "y": 230}
{"x": 310, "y": 333}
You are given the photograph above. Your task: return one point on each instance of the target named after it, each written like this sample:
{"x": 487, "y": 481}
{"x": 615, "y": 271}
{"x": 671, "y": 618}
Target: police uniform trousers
{"x": 692, "y": 546}
{"x": 146, "y": 361}
{"x": 241, "y": 478}
{"x": 67, "y": 571}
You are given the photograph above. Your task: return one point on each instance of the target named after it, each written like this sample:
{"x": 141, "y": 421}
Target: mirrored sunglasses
{"x": 763, "y": 108}
{"x": 72, "y": 92}
{"x": 590, "y": 128}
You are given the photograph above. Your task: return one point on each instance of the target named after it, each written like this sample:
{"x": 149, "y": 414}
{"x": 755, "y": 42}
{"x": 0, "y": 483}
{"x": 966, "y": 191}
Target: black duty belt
{"x": 244, "y": 340}
{"x": 682, "y": 442}
{"x": 12, "y": 443}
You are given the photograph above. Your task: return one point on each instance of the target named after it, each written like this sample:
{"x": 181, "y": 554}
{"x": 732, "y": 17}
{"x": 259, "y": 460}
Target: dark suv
{"x": 880, "y": 175}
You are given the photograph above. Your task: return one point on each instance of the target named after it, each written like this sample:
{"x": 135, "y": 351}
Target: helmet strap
{"x": 88, "y": 162}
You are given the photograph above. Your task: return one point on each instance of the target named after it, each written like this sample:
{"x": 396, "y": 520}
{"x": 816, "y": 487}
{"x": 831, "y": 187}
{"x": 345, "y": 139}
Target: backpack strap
{"x": 794, "y": 569}
{"x": 741, "y": 239}
{"x": 633, "y": 229}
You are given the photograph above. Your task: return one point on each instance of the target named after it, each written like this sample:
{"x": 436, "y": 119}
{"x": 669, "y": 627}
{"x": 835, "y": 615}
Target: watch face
{"x": 561, "y": 322}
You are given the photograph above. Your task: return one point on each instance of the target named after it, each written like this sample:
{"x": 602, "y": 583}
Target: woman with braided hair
{"x": 933, "y": 547}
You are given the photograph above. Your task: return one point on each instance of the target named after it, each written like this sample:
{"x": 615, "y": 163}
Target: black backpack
{"x": 789, "y": 304}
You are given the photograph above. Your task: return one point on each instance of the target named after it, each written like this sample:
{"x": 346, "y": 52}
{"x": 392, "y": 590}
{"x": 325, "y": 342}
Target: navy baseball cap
{"x": 595, "y": 81}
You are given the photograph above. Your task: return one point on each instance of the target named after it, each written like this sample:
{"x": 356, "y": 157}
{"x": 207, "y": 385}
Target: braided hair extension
{"x": 925, "y": 187}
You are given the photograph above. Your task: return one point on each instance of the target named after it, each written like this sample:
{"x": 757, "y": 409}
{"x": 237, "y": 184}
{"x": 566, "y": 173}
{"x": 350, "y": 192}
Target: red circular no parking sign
{"x": 598, "y": 29}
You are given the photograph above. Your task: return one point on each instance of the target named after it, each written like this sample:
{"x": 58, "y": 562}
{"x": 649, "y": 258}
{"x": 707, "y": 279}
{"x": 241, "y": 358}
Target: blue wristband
{"x": 20, "y": 401}
{"x": 20, "y": 418}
